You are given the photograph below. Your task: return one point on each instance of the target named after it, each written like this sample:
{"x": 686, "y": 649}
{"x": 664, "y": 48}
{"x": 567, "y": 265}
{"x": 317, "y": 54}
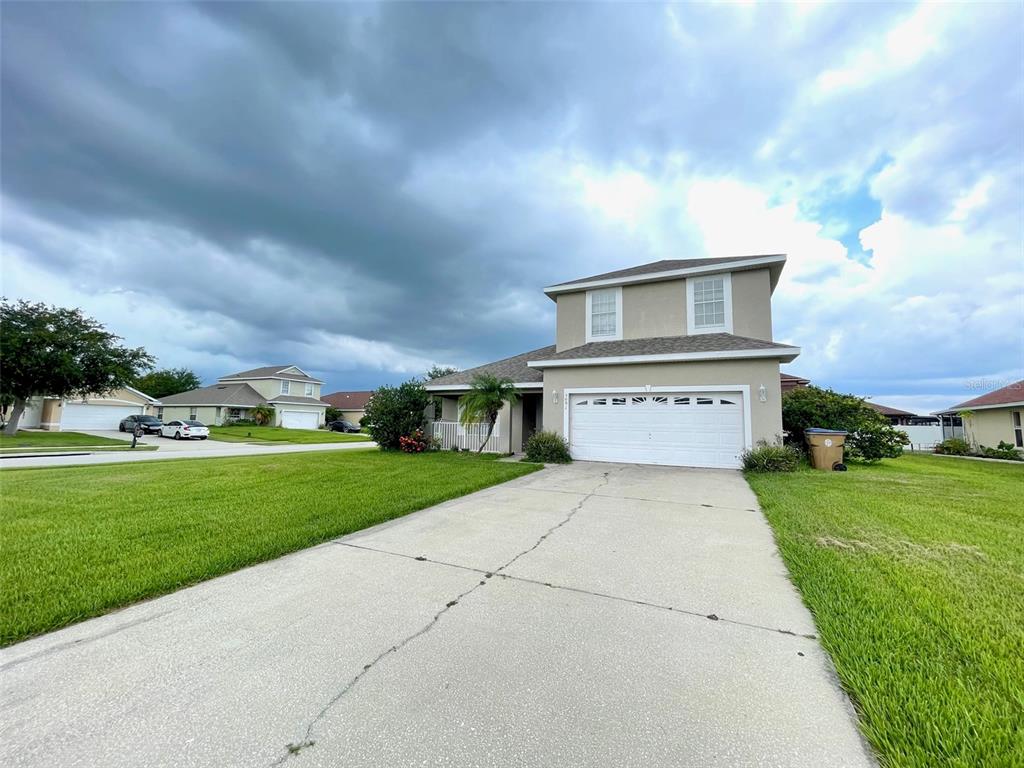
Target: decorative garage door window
{"x": 642, "y": 400}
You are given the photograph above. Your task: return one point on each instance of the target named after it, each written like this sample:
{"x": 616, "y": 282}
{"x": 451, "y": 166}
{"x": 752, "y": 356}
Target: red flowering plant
{"x": 417, "y": 442}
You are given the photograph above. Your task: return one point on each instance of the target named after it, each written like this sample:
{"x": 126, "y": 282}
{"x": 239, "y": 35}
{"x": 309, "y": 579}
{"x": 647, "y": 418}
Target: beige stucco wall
{"x": 570, "y": 322}
{"x": 653, "y": 309}
{"x": 752, "y": 304}
{"x": 272, "y": 387}
{"x": 765, "y": 418}
{"x": 659, "y": 309}
{"x": 353, "y": 416}
{"x": 990, "y": 425}
{"x": 207, "y": 414}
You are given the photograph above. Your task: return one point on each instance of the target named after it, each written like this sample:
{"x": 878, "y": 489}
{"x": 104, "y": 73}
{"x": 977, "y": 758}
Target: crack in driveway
{"x": 307, "y": 741}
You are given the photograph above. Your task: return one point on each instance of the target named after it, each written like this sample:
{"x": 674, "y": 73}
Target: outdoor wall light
{"x": 554, "y": 396}
{"x": 762, "y": 393}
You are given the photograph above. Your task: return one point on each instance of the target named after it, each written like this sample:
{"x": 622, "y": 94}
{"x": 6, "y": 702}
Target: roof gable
{"x": 292, "y": 372}
{"x": 670, "y": 269}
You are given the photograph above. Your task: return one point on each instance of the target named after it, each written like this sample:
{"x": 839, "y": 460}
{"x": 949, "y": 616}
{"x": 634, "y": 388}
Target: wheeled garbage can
{"x": 826, "y": 448}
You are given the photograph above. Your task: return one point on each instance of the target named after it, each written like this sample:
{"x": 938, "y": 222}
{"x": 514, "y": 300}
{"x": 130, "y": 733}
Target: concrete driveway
{"x": 590, "y": 615}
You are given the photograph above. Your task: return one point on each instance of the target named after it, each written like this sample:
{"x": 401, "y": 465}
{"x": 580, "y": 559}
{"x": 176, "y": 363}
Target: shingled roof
{"x": 348, "y": 401}
{"x": 665, "y": 265}
{"x": 237, "y": 395}
{"x": 1009, "y": 395}
{"x": 705, "y": 343}
{"x": 511, "y": 368}
{"x": 270, "y": 371}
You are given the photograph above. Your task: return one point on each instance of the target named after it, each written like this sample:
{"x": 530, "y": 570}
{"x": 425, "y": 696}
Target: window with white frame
{"x": 1018, "y": 430}
{"x": 192, "y": 413}
{"x": 604, "y": 314}
{"x": 285, "y": 387}
{"x": 309, "y": 390}
{"x": 710, "y": 304}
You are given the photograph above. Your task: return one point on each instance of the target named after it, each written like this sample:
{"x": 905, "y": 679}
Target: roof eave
{"x": 774, "y": 262}
{"x": 521, "y": 385}
{"x": 786, "y": 355}
{"x": 956, "y": 409}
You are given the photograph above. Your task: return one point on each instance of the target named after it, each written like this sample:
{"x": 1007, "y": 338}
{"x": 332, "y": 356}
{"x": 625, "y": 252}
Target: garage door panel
{"x": 681, "y": 429}
{"x": 84, "y": 416}
{"x": 300, "y": 420}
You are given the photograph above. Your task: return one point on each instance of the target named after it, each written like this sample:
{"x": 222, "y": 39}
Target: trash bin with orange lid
{"x": 826, "y": 448}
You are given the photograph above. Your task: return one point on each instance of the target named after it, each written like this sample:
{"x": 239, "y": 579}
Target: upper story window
{"x": 709, "y": 304}
{"x": 604, "y": 314}
{"x": 286, "y": 387}
{"x": 309, "y": 390}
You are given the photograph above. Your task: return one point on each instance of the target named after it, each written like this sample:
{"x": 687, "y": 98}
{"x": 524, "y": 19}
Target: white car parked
{"x": 186, "y": 429}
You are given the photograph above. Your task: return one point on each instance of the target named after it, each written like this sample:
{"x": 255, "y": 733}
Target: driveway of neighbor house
{"x": 171, "y": 449}
{"x": 595, "y": 614}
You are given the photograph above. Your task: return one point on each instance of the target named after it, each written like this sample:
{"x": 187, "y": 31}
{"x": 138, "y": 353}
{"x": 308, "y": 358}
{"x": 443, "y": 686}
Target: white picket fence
{"x": 452, "y": 434}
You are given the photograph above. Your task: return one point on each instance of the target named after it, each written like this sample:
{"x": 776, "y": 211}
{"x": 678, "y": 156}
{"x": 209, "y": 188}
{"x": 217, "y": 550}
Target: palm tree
{"x": 261, "y": 414}
{"x": 484, "y": 401}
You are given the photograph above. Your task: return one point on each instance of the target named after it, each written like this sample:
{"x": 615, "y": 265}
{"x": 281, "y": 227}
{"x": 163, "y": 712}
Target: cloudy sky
{"x": 367, "y": 189}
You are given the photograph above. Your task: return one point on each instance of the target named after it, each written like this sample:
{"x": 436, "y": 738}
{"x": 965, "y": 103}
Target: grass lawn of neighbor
{"x": 79, "y": 541}
{"x": 54, "y": 440}
{"x": 914, "y": 570}
{"x": 245, "y": 434}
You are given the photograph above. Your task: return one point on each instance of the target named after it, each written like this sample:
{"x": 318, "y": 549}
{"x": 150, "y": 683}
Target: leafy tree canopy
{"x": 396, "y": 412}
{"x": 870, "y": 437}
{"x": 437, "y": 371}
{"x": 166, "y": 382}
{"x": 60, "y": 352}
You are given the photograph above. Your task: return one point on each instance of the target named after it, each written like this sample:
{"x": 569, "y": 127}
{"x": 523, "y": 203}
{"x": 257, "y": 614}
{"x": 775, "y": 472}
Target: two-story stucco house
{"x": 291, "y": 392}
{"x": 665, "y": 363}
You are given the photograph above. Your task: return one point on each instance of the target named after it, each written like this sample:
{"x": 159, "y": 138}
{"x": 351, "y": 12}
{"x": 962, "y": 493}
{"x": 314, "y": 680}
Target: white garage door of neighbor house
{"x": 299, "y": 420}
{"x": 80, "y": 416}
{"x": 686, "y": 429}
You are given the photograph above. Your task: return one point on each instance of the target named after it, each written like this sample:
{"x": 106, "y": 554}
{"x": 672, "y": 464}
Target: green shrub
{"x": 768, "y": 457}
{"x": 870, "y": 436}
{"x": 547, "y": 448}
{"x": 395, "y": 412}
{"x": 1003, "y": 451}
{"x": 953, "y": 446}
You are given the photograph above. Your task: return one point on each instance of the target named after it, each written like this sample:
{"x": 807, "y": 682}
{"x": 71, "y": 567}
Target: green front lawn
{"x": 914, "y": 570}
{"x": 281, "y": 435}
{"x": 53, "y": 440}
{"x": 79, "y": 541}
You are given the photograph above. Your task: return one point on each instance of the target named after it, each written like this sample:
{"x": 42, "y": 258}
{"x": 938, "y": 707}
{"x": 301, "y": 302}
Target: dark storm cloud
{"x": 379, "y": 171}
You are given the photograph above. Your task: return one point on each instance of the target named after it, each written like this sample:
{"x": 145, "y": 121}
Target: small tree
{"x": 61, "y": 353}
{"x": 436, "y": 372}
{"x": 396, "y": 412}
{"x": 870, "y": 437}
{"x": 484, "y": 401}
{"x": 332, "y": 414}
{"x": 167, "y": 382}
{"x": 262, "y": 414}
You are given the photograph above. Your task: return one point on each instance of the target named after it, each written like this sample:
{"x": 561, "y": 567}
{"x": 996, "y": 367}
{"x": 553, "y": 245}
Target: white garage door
{"x": 688, "y": 429}
{"x": 79, "y": 416}
{"x": 299, "y": 420}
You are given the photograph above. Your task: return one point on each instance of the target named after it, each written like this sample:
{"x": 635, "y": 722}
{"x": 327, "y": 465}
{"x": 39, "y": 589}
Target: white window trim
{"x": 691, "y": 322}
{"x": 286, "y": 386}
{"x": 618, "y": 316}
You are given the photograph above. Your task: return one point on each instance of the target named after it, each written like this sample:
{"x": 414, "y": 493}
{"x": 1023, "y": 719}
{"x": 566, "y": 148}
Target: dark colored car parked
{"x": 149, "y": 424}
{"x": 342, "y": 426}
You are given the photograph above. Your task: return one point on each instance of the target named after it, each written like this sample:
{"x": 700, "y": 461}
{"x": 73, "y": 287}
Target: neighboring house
{"x": 351, "y": 404}
{"x": 790, "y": 382}
{"x": 992, "y": 418}
{"x": 291, "y": 392}
{"x": 92, "y": 412}
{"x": 666, "y": 363}
{"x": 900, "y": 418}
